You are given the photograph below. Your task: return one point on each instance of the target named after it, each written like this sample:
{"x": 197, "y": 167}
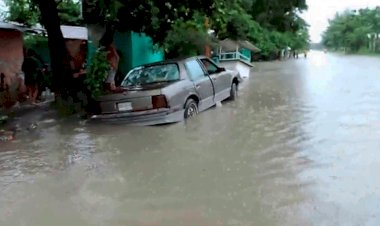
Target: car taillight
{"x": 159, "y": 101}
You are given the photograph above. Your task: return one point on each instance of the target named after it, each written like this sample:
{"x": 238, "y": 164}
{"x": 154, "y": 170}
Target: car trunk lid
{"x": 132, "y": 99}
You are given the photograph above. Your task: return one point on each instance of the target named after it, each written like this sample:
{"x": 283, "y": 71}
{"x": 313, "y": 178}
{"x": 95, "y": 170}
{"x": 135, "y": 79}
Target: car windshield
{"x": 152, "y": 74}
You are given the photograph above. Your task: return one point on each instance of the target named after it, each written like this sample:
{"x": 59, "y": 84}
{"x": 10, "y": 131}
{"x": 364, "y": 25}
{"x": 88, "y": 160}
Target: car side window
{"x": 210, "y": 66}
{"x": 194, "y": 70}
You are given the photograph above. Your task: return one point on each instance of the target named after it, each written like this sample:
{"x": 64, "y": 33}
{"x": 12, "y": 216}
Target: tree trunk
{"x": 57, "y": 47}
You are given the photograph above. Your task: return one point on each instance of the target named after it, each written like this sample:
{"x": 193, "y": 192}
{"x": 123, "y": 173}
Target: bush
{"x": 97, "y": 73}
{"x": 186, "y": 39}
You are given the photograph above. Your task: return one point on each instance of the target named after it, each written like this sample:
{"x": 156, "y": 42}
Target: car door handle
{"x": 197, "y": 86}
{"x": 214, "y": 78}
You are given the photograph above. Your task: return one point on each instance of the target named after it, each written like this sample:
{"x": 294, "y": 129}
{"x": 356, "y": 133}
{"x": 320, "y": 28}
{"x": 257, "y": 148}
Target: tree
{"x": 57, "y": 47}
{"x": 279, "y": 23}
{"x": 154, "y": 18}
{"x": 187, "y": 38}
{"x": 231, "y": 20}
{"x": 22, "y": 11}
{"x": 281, "y": 15}
{"x": 27, "y": 12}
{"x": 349, "y": 30}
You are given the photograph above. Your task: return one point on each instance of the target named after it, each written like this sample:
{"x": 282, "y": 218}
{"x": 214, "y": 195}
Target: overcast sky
{"x": 321, "y": 10}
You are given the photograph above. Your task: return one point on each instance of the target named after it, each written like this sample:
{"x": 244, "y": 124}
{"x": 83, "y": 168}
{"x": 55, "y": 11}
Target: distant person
{"x": 31, "y": 69}
{"x": 305, "y": 54}
{"x": 78, "y": 63}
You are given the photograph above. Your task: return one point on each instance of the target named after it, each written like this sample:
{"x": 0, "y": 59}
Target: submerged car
{"x": 169, "y": 91}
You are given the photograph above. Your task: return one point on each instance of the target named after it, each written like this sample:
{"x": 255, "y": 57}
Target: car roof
{"x": 174, "y": 61}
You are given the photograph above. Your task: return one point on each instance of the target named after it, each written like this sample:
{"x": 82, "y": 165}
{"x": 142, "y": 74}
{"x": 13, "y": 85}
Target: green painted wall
{"x": 91, "y": 50}
{"x": 143, "y": 51}
{"x": 123, "y": 43}
{"x": 135, "y": 50}
{"x": 246, "y": 52}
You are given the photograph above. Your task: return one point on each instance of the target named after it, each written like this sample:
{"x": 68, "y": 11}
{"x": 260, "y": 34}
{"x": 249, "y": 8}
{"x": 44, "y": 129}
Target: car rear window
{"x": 152, "y": 74}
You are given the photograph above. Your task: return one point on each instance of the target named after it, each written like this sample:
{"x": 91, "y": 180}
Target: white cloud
{"x": 321, "y": 10}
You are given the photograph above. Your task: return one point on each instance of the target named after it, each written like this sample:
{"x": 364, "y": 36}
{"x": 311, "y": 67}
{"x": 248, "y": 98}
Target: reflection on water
{"x": 299, "y": 147}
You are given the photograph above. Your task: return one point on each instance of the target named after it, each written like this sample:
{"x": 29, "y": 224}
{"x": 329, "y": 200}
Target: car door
{"x": 220, "y": 78}
{"x": 202, "y": 84}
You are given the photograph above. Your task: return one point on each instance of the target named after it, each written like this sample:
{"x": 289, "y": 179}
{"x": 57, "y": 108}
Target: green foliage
{"x": 281, "y": 15}
{"x": 69, "y": 12}
{"x": 26, "y": 12}
{"x": 230, "y": 20}
{"x": 152, "y": 17}
{"x": 32, "y": 41}
{"x": 187, "y": 38}
{"x": 178, "y": 26}
{"x": 350, "y": 29}
{"x": 22, "y": 11}
{"x": 97, "y": 73}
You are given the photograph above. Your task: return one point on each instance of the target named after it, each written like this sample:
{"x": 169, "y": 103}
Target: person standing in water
{"x": 113, "y": 61}
{"x": 31, "y": 69}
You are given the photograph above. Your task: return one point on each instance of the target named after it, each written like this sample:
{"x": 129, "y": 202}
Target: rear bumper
{"x": 152, "y": 117}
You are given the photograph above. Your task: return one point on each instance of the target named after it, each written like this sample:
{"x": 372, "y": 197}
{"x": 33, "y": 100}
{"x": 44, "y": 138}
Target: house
{"x": 236, "y": 55}
{"x": 11, "y": 53}
{"x": 76, "y": 39}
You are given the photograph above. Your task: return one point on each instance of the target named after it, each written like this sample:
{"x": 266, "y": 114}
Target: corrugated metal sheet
{"x": 11, "y": 26}
{"x": 74, "y": 32}
{"x": 19, "y": 27}
{"x": 231, "y": 45}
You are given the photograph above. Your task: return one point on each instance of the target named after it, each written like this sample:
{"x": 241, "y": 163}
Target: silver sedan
{"x": 169, "y": 91}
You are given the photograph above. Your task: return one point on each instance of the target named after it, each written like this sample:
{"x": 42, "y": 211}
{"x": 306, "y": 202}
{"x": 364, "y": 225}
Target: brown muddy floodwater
{"x": 301, "y": 146}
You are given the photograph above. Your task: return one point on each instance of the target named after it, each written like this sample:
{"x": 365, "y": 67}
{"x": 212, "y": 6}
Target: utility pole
{"x": 370, "y": 43}
{"x": 207, "y": 46}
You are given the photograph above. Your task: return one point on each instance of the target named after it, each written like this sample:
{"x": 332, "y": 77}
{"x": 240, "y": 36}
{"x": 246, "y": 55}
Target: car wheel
{"x": 191, "y": 108}
{"x": 234, "y": 91}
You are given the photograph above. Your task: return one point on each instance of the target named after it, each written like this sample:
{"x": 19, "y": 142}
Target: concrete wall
{"x": 11, "y": 54}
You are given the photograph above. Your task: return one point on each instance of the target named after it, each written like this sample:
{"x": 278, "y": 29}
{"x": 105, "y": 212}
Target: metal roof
{"x": 14, "y": 26}
{"x": 69, "y": 32}
{"x": 231, "y": 45}
{"x": 74, "y": 32}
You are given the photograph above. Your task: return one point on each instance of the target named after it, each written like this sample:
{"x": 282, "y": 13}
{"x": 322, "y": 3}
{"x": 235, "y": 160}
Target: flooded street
{"x": 299, "y": 147}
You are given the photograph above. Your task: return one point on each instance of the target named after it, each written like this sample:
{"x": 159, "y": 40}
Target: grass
{"x": 366, "y": 52}
{"x": 362, "y": 52}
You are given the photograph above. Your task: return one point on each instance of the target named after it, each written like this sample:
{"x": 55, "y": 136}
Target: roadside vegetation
{"x": 354, "y": 31}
